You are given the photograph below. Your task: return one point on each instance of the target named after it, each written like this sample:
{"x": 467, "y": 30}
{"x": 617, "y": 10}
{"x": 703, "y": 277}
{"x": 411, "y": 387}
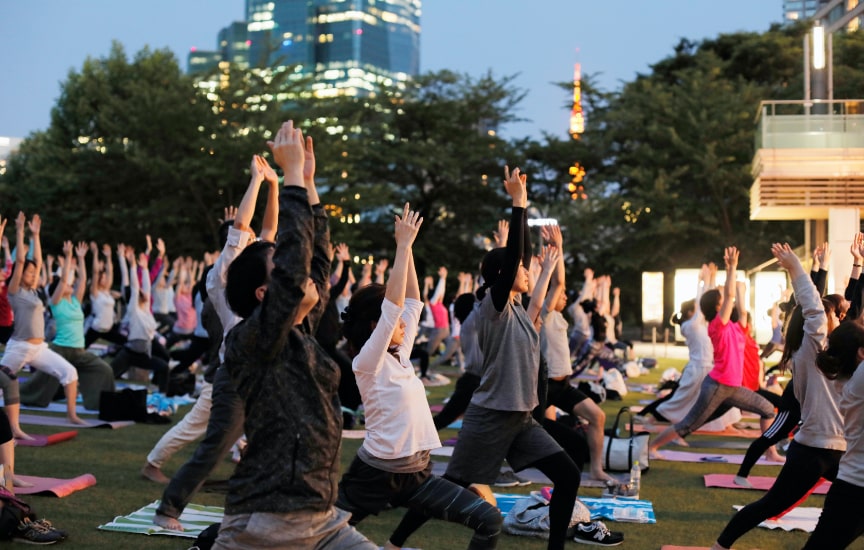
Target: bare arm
{"x": 438, "y": 294}
{"x": 552, "y": 234}
{"x": 549, "y": 263}
{"x": 20, "y": 255}
{"x": 731, "y": 258}
{"x": 271, "y": 211}
{"x": 65, "y": 268}
{"x": 406, "y": 231}
{"x": 81, "y": 283}
{"x": 35, "y": 230}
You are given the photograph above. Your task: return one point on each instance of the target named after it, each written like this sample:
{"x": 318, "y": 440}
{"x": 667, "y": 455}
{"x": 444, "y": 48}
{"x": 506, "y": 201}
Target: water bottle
{"x": 635, "y": 479}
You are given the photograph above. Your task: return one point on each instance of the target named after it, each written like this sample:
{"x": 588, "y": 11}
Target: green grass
{"x": 687, "y": 513}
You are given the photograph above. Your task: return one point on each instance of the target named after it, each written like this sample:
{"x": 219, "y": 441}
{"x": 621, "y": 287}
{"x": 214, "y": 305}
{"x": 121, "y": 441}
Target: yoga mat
{"x": 40, "y": 440}
{"x": 436, "y": 408}
{"x": 760, "y": 483}
{"x": 450, "y": 442}
{"x": 801, "y": 518}
{"x": 726, "y": 444}
{"x": 728, "y": 432}
{"x": 59, "y": 488}
{"x": 41, "y": 420}
{"x": 58, "y": 407}
{"x": 194, "y": 519}
{"x": 613, "y": 509}
{"x": 536, "y": 476}
{"x": 684, "y": 456}
{"x": 456, "y": 425}
{"x": 353, "y": 434}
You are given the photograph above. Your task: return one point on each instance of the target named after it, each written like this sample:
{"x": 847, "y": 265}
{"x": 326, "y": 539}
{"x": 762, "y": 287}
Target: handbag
{"x": 619, "y": 452}
{"x": 126, "y": 404}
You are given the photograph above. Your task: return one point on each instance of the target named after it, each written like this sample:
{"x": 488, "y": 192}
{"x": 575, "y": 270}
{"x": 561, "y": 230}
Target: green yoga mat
{"x": 195, "y": 518}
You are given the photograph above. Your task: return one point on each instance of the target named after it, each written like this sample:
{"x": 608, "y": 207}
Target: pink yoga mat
{"x": 45, "y": 440}
{"x": 59, "y": 488}
{"x": 707, "y": 458}
{"x": 436, "y": 408}
{"x": 729, "y": 432}
{"x": 759, "y": 483}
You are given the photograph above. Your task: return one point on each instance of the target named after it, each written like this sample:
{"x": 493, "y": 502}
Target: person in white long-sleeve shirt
{"x": 392, "y": 465}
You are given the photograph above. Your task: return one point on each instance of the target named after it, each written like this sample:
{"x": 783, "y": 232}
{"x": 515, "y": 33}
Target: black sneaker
{"x": 47, "y": 524}
{"x": 507, "y": 478}
{"x": 597, "y": 534}
{"x": 32, "y": 532}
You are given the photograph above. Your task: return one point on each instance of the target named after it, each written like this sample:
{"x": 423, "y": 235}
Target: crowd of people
{"x": 293, "y": 348}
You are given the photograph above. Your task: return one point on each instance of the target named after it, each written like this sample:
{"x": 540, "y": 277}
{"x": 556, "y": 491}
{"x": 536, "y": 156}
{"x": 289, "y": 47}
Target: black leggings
{"x": 565, "y": 476}
{"x": 458, "y": 402}
{"x": 365, "y": 489}
{"x": 788, "y": 416}
{"x": 841, "y": 521}
{"x": 804, "y": 466}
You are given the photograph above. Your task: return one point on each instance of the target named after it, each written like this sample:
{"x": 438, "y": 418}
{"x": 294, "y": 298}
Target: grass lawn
{"x": 687, "y": 513}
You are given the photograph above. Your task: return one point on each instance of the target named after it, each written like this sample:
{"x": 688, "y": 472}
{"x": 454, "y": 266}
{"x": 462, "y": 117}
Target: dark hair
{"x": 837, "y": 302}
{"x": 687, "y": 310}
{"x": 793, "y": 336}
{"x": 588, "y": 306}
{"x": 245, "y": 274}
{"x": 490, "y": 268}
{"x": 463, "y": 305}
{"x": 708, "y": 304}
{"x": 363, "y": 309}
{"x": 840, "y": 359}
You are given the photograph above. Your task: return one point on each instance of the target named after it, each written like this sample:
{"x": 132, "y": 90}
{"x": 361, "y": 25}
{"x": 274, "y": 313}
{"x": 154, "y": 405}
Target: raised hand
{"x": 309, "y": 162}
{"x": 289, "y": 153}
{"x": 785, "y": 257}
{"x": 4, "y": 242}
{"x": 859, "y": 243}
{"x": 81, "y": 249}
{"x": 442, "y": 272}
{"x": 35, "y": 225}
{"x": 230, "y": 213}
{"x": 516, "y": 185}
{"x": 342, "y": 252}
{"x": 143, "y": 260}
{"x": 94, "y": 248}
{"x": 256, "y": 169}
{"x": 381, "y": 266}
{"x": 502, "y": 233}
{"x": 550, "y": 256}
{"x": 3, "y": 226}
{"x": 407, "y": 226}
{"x": 160, "y": 247}
{"x": 106, "y": 249}
{"x": 149, "y": 245}
{"x": 67, "y": 249}
{"x": 730, "y": 256}
{"x": 19, "y": 221}
{"x": 552, "y": 234}
{"x": 267, "y": 171}
{"x": 121, "y": 250}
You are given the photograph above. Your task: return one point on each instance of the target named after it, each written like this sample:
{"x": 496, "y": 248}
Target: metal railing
{"x": 816, "y": 123}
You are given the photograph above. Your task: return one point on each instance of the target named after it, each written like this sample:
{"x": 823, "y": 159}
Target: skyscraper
{"x": 350, "y": 47}
{"x": 798, "y": 10}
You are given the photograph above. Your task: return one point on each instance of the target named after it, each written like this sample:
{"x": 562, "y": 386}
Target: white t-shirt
{"x": 555, "y": 345}
{"x": 398, "y": 421}
{"x": 102, "y": 305}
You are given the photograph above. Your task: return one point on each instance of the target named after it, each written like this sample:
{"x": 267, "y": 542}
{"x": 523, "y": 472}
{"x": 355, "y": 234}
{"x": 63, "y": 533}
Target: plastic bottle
{"x": 635, "y": 479}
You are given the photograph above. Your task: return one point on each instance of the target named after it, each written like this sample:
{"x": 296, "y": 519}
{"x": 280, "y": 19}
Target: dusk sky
{"x": 41, "y": 40}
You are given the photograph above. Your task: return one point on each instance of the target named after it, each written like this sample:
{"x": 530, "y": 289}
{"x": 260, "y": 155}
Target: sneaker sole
{"x": 597, "y": 543}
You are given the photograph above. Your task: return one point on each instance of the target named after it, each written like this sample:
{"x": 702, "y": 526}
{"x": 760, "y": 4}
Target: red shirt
{"x": 752, "y": 366}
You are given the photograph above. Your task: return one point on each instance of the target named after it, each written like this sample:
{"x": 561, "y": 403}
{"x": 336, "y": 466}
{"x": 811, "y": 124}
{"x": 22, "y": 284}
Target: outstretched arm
{"x": 552, "y": 235}
{"x": 81, "y": 282}
{"x": 515, "y": 184}
{"x": 730, "y": 256}
{"x": 271, "y": 212}
{"x": 549, "y": 261}
{"x": 20, "y": 255}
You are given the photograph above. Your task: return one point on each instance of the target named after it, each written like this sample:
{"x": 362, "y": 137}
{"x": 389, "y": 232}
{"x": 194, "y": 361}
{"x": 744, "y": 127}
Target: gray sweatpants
{"x": 712, "y": 395}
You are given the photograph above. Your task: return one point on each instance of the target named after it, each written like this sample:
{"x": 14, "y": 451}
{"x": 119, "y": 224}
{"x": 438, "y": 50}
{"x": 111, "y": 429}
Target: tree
{"x": 435, "y": 146}
{"x": 135, "y": 146}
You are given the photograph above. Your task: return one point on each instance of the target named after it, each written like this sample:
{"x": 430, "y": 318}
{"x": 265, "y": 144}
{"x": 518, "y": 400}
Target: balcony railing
{"x": 814, "y": 124}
